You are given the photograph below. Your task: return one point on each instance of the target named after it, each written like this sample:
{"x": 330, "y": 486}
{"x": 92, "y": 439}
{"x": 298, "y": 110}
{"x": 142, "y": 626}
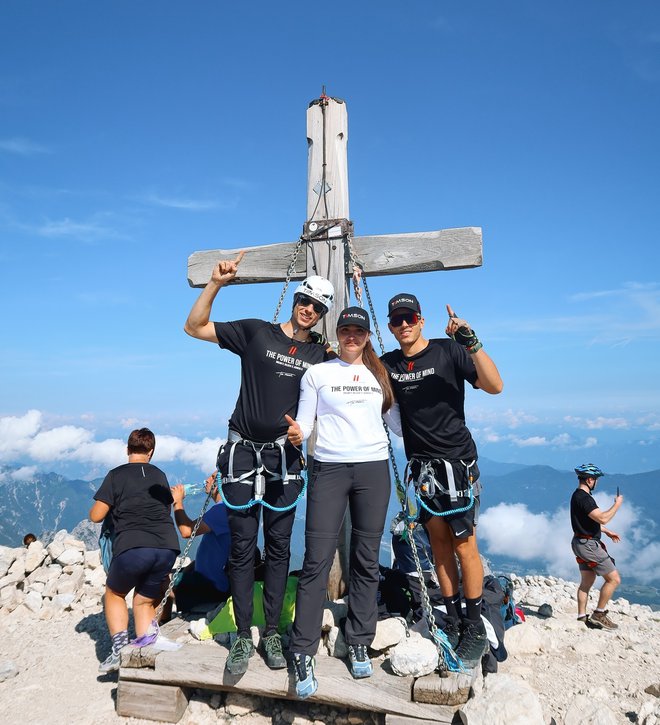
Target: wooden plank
{"x": 451, "y": 690}
{"x": 165, "y": 703}
{"x": 404, "y": 720}
{"x": 420, "y": 251}
{"x": 203, "y": 665}
{"x": 379, "y": 255}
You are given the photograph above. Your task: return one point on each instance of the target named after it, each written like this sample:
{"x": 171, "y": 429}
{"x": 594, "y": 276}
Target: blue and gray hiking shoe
{"x": 239, "y": 656}
{"x": 110, "y": 663}
{"x": 452, "y": 630}
{"x": 473, "y": 645}
{"x": 272, "y": 647}
{"x": 360, "y": 663}
{"x": 306, "y": 683}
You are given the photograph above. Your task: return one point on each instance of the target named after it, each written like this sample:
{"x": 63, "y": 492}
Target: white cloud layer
{"x": 512, "y": 530}
{"x": 26, "y": 437}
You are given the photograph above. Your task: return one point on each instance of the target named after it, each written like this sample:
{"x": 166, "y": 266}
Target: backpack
{"x": 509, "y": 613}
{"x": 106, "y": 540}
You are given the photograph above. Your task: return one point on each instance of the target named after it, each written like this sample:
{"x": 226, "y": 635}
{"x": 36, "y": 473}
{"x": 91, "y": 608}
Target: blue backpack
{"x": 508, "y": 603}
{"x": 106, "y": 540}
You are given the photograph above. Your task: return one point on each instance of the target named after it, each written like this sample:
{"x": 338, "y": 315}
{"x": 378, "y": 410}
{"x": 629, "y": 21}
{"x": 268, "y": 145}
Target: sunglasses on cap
{"x": 304, "y": 301}
{"x": 412, "y": 318}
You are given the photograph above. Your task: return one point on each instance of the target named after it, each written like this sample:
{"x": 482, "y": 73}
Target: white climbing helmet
{"x": 319, "y": 289}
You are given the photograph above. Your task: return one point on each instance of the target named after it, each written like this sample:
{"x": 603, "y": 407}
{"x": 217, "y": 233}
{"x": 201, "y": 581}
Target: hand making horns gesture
{"x": 455, "y": 322}
{"x": 225, "y": 271}
{"x": 294, "y": 434}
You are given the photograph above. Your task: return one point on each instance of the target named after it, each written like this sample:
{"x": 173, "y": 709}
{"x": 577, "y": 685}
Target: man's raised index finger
{"x": 450, "y": 312}
{"x": 240, "y": 256}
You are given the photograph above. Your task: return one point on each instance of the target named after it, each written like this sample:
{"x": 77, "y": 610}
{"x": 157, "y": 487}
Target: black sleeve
{"x": 464, "y": 363}
{"x": 106, "y": 493}
{"x": 235, "y": 336}
{"x": 586, "y": 504}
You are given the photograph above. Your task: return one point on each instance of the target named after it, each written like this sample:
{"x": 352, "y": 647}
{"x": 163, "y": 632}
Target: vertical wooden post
{"x": 327, "y": 223}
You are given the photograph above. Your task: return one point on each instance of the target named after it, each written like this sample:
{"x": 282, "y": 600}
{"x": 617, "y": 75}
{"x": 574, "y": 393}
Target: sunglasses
{"x": 304, "y": 301}
{"x": 412, "y": 318}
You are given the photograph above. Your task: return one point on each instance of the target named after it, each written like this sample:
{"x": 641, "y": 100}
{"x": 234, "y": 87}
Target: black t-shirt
{"x": 582, "y": 504}
{"x": 140, "y": 498}
{"x": 430, "y": 390}
{"x": 271, "y": 367}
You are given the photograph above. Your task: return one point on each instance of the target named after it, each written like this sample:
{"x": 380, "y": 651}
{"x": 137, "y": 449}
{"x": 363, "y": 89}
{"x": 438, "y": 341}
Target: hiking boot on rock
{"x": 272, "y": 647}
{"x": 306, "y": 683}
{"x": 360, "y": 663}
{"x": 473, "y": 644}
{"x": 111, "y": 663}
{"x": 239, "y": 656}
{"x": 453, "y": 631}
{"x": 601, "y": 618}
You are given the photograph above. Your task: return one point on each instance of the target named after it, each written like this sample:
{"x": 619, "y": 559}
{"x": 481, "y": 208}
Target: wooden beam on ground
{"x": 203, "y": 665}
{"x": 165, "y": 703}
{"x": 379, "y": 255}
{"x": 451, "y": 690}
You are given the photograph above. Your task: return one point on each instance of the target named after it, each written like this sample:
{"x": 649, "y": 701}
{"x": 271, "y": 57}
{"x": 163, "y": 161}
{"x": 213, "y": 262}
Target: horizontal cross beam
{"x": 378, "y": 255}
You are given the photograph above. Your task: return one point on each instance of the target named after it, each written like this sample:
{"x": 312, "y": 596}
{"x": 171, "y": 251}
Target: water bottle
{"x": 192, "y": 489}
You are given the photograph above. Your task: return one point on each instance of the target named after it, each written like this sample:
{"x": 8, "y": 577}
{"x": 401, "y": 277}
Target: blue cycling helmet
{"x": 588, "y": 470}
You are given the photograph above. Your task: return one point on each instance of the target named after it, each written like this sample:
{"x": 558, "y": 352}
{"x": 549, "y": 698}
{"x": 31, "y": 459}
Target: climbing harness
{"x": 408, "y": 518}
{"x": 256, "y": 476}
{"x": 426, "y": 485}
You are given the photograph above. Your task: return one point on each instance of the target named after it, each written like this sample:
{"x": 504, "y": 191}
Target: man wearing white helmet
{"x": 257, "y": 453}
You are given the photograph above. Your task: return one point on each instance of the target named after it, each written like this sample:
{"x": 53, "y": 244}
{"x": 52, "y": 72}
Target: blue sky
{"x": 132, "y": 134}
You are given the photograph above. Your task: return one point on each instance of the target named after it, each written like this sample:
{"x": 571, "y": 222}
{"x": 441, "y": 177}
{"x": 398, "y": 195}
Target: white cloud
{"x": 26, "y": 437}
{"x": 512, "y": 530}
{"x": 22, "y": 147}
{"x": 25, "y": 473}
{"x": 597, "y": 423}
{"x": 185, "y": 204}
{"x": 86, "y": 231}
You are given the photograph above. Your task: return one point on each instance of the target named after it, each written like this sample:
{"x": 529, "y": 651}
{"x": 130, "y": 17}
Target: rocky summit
{"x": 558, "y": 670}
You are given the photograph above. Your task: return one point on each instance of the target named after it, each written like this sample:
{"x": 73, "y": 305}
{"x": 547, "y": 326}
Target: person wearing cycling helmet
{"x": 257, "y": 462}
{"x": 588, "y": 522}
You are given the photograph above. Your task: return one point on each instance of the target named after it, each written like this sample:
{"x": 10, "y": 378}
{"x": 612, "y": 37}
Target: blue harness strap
{"x": 426, "y": 485}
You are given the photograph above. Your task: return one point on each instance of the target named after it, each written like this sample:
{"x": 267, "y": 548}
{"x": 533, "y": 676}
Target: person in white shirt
{"x": 347, "y": 397}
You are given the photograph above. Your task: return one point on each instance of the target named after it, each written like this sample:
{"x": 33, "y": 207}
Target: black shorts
{"x": 143, "y": 569}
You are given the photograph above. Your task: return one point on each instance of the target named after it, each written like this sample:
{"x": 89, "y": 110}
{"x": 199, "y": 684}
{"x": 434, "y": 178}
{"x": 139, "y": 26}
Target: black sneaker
{"x": 272, "y": 647}
{"x": 239, "y": 656}
{"x": 453, "y": 631}
{"x": 473, "y": 644}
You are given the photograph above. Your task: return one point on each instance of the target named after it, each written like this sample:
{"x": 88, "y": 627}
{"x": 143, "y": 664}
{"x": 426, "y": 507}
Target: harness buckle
{"x": 259, "y": 485}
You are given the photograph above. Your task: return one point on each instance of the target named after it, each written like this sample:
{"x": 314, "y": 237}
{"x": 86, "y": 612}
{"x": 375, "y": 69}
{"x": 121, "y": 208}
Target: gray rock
{"x": 34, "y": 558}
{"x": 545, "y": 610}
{"x": 504, "y": 700}
{"x": 585, "y": 710}
{"x": 336, "y": 644}
{"x": 389, "y": 632}
{"x": 33, "y": 601}
{"x": 523, "y": 639}
{"x": 653, "y": 689}
{"x": 63, "y": 601}
{"x": 8, "y": 669}
{"x": 414, "y": 656}
{"x": 70, "y": 555}
{"x": 237, "y": 704}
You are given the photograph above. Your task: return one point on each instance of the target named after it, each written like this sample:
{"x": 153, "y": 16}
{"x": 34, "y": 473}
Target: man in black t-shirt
{"x": 428, "y": 377}
{"x": 138, "y": 498}
{"x": 257, "y": 453}
{"x": 587, "y": 521}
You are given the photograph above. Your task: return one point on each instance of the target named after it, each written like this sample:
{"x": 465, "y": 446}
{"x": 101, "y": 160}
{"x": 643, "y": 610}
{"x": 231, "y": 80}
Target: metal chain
{"x": 287, "y": 281}
{"x": 357, "y": 271}
{"x": 183, "y": 556}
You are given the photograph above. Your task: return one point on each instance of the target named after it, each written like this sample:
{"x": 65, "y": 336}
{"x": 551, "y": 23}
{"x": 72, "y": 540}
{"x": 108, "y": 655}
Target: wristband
{"x": 475, "y": 348}
{"x": 466, "y": 337}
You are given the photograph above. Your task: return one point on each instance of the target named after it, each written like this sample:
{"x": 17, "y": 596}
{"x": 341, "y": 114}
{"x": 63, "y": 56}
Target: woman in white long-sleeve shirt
{"x": 347, "y": 398}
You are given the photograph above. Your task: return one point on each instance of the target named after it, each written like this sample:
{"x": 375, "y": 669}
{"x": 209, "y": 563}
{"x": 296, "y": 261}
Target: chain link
{"x": 183, "y": 556}
{"x": 287, "y": 281}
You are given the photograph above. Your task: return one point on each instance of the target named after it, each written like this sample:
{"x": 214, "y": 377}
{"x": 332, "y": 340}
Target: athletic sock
{"x": 119, "y": 640}
{"x": 453, "y": 605}
{"x": 473, "y": 609}
{"x": 582, "y": 616}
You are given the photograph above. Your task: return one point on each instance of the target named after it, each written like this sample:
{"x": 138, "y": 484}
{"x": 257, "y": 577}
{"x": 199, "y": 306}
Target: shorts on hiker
{"x": 592, "y": 555}
{"x": 462, "y": 523}
{"x": 143, "y": 568}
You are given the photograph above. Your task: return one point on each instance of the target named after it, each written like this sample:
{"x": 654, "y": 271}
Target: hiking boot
{"x": 272, "y": 647}
{"x": 239, "y": 656}
{"x": 110, "y": 663}
{"x": 306, "y": 683}
{"x": 603, "y": 620}
{"x": 473, "y": 644}
{"x": 360, "y": 663}
{"x": 453, "y": 631}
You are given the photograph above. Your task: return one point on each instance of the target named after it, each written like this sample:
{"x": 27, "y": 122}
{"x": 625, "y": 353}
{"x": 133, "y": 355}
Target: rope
{"x": 253, "y": 501}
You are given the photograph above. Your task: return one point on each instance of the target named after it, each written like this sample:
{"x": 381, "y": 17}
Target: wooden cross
{"x": 328, "y": 227}
{"x": 325, "y": 241}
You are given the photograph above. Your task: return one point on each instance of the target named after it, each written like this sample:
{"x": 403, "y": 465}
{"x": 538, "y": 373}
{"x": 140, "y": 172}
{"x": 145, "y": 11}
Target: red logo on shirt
{"x": 410, "y": 366}
{"x": 292, "y": 350}
{"x": 356, "y": 378}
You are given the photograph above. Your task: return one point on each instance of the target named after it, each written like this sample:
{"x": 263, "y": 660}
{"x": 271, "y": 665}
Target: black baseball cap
{"x": 403, "y": 301}
{"x": 354, "y": 316}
